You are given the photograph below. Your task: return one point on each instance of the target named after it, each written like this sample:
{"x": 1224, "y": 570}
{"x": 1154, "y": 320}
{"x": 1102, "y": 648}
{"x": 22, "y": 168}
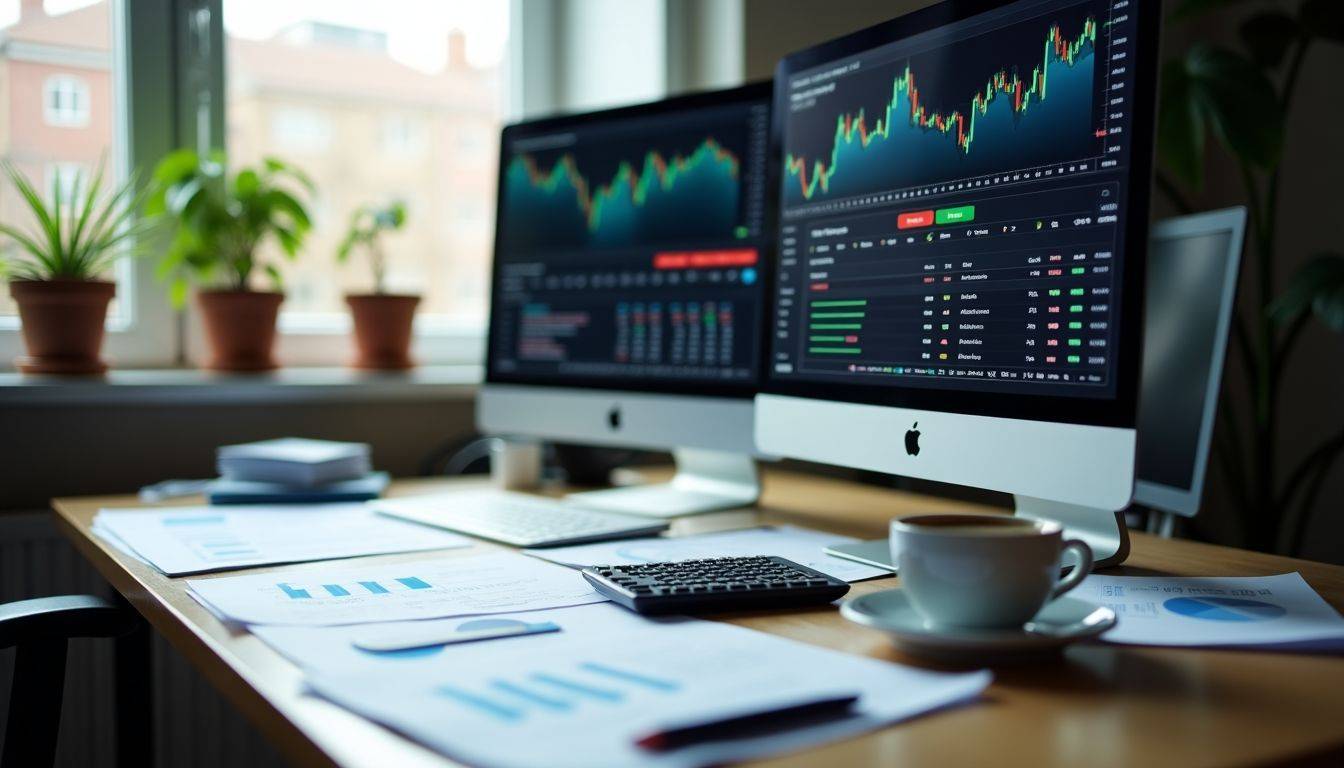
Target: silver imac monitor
{"x": 628, "y": 292}
{"x": 1193, "y": 264}
{"x": 963, "y": 223}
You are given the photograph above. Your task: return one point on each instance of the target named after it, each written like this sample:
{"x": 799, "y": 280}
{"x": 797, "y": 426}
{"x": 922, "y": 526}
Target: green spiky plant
{"x": 75, "y": 239}
{"x": 1241, "y": 98}
{"x": 219, "y": 221}
{"x": 367, "y": 225}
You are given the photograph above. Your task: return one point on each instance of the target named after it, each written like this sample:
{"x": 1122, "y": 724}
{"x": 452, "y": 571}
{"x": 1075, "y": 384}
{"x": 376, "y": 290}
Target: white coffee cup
{"x": 982, "y": 571}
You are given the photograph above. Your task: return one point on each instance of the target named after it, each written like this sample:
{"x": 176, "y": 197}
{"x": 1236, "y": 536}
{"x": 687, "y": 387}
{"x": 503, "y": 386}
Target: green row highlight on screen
{"x": 830, "y": 315}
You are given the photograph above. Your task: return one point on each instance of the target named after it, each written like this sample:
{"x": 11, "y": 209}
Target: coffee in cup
{"x": 982, "y": 571}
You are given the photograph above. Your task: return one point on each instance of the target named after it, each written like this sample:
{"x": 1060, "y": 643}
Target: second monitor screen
{"x": 953, "y": 206}
{"x": 629, "y": 247}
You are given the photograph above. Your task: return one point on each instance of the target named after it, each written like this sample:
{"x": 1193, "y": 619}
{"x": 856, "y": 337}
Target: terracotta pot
{"x": 240, "y": 326}
{"x": 62, "y": 324}
{"x": 383, "y": 324}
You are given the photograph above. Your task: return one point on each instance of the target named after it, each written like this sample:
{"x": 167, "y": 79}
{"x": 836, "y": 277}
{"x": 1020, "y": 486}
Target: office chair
{"x": 39, "y": 630}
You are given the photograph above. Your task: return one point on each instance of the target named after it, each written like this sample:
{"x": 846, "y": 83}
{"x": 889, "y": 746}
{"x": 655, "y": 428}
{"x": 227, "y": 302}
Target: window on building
{"x": 393, "y": 80}
{"x": 402, "y": 137}
{"x": 65, "y": 99}
{"x": 299, "y": 130}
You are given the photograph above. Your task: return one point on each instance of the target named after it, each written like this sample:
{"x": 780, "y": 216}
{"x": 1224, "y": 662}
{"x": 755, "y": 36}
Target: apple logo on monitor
{"x": 614, "y": 417}
{"x": 912, "y": 440}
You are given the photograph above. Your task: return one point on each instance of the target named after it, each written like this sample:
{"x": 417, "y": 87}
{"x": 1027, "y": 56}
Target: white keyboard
{"x": 517, "y": 518}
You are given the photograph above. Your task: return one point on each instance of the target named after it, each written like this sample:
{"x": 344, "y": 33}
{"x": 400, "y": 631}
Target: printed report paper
{"x": 581, "y": 697}
{"x": 421, "y": 589}
{"x": 184, "y": 540}
{"x": 1255, "y": 611}
{"x": 797, "y": 544}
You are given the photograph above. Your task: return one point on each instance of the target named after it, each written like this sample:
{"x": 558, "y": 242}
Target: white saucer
{"x": 1061, "y": 622}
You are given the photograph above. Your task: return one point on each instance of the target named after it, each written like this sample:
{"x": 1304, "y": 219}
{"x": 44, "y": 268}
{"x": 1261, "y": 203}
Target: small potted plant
{"x": 57, "y": 277}
{"x": 219, "y": 223}
{"x": 383, "y": 321}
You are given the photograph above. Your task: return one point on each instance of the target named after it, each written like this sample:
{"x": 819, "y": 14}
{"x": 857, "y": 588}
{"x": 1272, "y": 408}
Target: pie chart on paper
{"x": 1223, "y": 609}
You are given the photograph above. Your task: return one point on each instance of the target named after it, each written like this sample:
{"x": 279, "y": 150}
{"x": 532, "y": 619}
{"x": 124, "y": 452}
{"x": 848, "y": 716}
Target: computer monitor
{"x": 1193, "y": 264}
{"x": 628, "y": 290}
{"x": 962, "y": 229}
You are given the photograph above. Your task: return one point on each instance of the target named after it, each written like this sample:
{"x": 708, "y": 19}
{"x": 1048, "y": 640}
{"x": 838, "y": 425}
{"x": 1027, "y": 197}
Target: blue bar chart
{"x": 586, "y": 684}
{"x": 402, "y": 584}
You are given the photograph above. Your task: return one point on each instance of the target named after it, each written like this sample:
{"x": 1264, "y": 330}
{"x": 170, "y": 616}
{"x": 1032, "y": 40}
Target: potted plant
{"x": 383, "y": 320}
{"x": 220, "y": 221}
{"x": 56, "y": 278}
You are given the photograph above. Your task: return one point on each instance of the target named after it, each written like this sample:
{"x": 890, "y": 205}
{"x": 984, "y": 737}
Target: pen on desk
{"x": 672, "y": 738}
{"x": 382, "y": 642}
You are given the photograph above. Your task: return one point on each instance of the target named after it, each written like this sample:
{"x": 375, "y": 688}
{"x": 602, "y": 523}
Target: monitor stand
{"x": 1105, "y": 532}
{"x": 1102, "y": 530}
{"x": 706, "y": 481}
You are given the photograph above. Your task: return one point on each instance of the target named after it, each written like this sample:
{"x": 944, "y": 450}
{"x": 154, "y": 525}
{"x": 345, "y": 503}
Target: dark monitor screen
{"x": 630, "y": 247}
{"x": 1187, "y": 282}
{"x": 956, "y": 208}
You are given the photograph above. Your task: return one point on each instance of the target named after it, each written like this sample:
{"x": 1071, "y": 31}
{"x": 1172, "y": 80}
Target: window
{"x": 76, "y": 58}
{"x": 300, "y": 130}
{"x": 66, "y": 66}
{"x": 66, "y": 101}
{"x": 402, "y": 137}
{"x": 349, "y": 92}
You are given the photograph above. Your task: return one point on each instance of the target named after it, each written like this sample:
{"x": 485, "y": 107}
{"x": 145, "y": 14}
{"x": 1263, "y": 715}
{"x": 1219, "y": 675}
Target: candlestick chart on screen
{"x": 1010, "y": 99}
{"x": 622, "y": 196}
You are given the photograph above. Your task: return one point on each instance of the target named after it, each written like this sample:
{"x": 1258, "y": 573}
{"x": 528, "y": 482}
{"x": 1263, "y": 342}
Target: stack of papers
{"x": 797, "y": 544}
{"x": 1273, "y": 612}
{"x": 226, "y": 491}
{"x": 422, "y": 589}
{"x": 294, "y": 461}
{"x": 183, "y": 540}
{"x": 583, "y": 696}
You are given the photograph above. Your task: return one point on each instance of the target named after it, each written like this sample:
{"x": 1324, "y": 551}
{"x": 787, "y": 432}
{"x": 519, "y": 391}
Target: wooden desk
{"x": 1098, "y": 706}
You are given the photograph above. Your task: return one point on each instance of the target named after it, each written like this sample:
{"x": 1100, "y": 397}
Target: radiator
{"x": 194, "y": 725}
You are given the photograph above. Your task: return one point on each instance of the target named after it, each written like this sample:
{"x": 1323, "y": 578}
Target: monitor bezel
{"x": 1120, "y": 411}
{"x": 759, "y": 91}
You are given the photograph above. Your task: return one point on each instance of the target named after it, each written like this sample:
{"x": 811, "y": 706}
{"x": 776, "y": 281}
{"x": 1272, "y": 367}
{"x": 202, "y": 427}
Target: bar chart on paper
{"x": 182, "y": 540}
{"x": 296, "y": 592}
{"x": 584, "y": 696}
{"x": 516, "y": 698}
{"x": 428, "y": 589}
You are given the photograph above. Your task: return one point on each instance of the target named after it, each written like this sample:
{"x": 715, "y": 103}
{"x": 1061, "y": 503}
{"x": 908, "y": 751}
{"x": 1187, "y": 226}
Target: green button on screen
{"x": 958, "y": 215}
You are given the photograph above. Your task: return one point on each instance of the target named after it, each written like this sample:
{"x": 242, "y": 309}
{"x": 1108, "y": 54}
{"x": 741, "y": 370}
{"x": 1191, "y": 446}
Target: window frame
{"x": 144, "y": 333}
{"x": 326, "y": 338}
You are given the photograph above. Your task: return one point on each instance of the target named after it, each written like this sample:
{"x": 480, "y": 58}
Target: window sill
{"x": 181, "y": 385}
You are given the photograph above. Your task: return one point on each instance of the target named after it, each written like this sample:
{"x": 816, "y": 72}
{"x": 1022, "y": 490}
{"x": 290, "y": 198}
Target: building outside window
{"x": 399, "y": 83}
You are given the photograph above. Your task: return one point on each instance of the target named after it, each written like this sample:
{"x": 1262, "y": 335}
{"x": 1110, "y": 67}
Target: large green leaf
{"x": 1180, "y": 126}
{"x": 1227, "y": 94}
{"x": 1317, "y": 287}
{"x": 1267, "y": 37}
{"x": 176, "y": 167}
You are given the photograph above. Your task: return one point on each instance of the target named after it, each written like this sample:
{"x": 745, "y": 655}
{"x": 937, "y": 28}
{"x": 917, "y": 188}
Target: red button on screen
{"x": 914, "y": 219}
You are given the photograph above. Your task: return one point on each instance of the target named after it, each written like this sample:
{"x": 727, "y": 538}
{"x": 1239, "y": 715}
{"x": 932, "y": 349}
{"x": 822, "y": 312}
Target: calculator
{"x": 714, "y": 584}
